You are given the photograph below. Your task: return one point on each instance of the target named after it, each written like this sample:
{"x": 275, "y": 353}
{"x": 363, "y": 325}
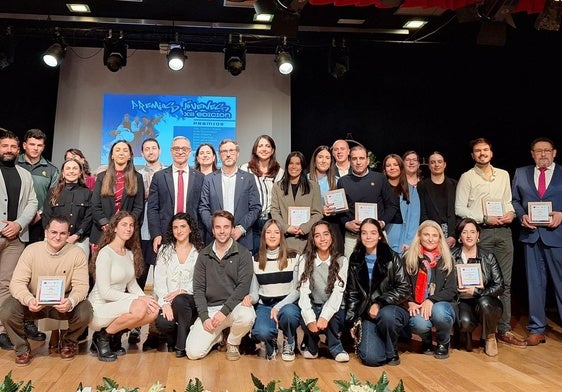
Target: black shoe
{"x": 442, "y": 351}
{"x": 427, "y": 348}
{"x": 32, "y": 332}
{"x": 180, "y": 353}
{"x": 116, "y": 345}
{"x": 152, "y": 342}
{"x": 468, "y": 343}
{"x": 5, "y": 342}
{"x": 101, "y": 343}
{"x": 83, "y": 336}
{"x": 134, "y": 336}
{"x": 395, "y": 360}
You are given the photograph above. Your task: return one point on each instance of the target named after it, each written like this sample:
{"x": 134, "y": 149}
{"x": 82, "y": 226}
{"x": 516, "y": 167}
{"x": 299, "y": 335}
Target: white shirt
{"x": 228, "y": 189}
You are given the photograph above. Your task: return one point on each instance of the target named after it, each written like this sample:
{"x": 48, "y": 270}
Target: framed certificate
{"x": 539, "y": 212}
{"x": 492, "y": 207}
{"x": 365, "y": 210}
{"x": 50, "y": 290}
{"x": 338, "y": 199}
{"x": 469, "y": 275}
{"x": 298, "y": 215}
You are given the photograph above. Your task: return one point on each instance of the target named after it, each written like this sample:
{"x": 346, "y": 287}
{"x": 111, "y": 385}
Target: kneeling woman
{"x": 118, "y": 301}
{"x": 376, "y": 296}
{"x": 173, "y": 281}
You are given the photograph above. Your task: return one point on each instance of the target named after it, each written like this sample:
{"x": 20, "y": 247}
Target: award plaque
{"x": 493, "y": 207}
{"x": 298, "y": 215}
{"x": 50, "y": 290}
{"x": 469, "y": 275}
{"x": 365, "y": 210}
{"x": 338, "y": 199}
{"x": 539, "y": 212}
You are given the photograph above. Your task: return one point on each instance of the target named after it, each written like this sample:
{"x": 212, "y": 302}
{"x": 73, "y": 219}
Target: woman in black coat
{"x": 375, "y": 296}
{"x": 478, "y": 304}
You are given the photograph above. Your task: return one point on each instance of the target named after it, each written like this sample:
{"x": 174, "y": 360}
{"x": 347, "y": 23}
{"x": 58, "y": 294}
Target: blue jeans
{"x": 265, "y": 328}
{"x": 442, "y": 318}
{"x": 380, "y": 335}
{"x": 335, "y": 326}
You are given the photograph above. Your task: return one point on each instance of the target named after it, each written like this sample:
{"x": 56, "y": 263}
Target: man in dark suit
{"x": 232, "y": 190}
{"x": 163, "y": 195}
{"x": 542, "y": 242}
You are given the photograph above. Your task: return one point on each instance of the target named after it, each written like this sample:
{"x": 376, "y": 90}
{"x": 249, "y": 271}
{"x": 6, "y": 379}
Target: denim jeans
{"x": 442, "y": 318}
{"x": 379, "y": 336}
{"x": 332, "y": 332}
{"x": 265, "y": 328}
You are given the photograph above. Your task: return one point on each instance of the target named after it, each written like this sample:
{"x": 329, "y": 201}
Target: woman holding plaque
{"x": 323, "y": 172}
{"x": 296, "y": 202}
{"x": 267, "y": 171}
{"x": 433, "y": 288}
{"x": 118, "y": 301}
{"x": 478, "y": 303}
{"x": 173, "y": 281}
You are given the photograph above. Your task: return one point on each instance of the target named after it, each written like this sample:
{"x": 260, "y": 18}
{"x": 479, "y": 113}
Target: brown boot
{"x": 54, "y": 342}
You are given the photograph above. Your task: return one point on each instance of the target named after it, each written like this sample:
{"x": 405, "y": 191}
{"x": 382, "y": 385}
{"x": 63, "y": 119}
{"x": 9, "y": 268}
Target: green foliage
{"x": 354, "y": 385}
{"x": 9, "y": 385}
{"x": 270, "y": 387}
{"x": 109, "y": 385}
{"x": 194, "y": 386}
{"x": 298, "y": 385}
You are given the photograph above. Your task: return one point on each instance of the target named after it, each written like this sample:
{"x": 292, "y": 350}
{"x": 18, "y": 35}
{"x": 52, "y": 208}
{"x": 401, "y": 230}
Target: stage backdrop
{"x": 259, "y": 97}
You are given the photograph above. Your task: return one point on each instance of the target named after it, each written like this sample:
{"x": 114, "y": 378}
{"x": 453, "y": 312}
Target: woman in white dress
{"x": 173, "y": 281}
{"x": 118, "y": 301}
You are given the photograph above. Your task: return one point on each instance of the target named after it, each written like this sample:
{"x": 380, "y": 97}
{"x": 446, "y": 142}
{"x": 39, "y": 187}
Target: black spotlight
{"x": 176, "y": 56}
{"x": 235, "y": 56}
{"x": 54, "y": 55}
{"x": 114, "y": 52}
{"x": 283, "y": 58}
{"x": 339, "y": 60}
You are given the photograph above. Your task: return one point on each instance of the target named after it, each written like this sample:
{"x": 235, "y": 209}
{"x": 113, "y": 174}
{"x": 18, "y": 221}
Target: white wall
{"x": 263, "y": 104}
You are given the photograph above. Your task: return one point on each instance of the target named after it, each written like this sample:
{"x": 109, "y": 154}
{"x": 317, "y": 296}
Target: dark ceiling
{"x": 205, "y": 25}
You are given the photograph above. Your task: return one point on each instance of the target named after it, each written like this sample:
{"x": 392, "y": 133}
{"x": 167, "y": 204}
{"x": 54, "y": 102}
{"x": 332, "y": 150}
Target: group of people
{"x": 232, "y": 258}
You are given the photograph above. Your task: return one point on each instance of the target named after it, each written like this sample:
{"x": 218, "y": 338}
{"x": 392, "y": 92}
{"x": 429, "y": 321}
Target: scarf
{"x": 429, "y": 260}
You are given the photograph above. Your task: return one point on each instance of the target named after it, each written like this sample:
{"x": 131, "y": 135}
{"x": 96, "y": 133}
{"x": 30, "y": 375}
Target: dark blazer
{"x": 431, "y": 210}
{"x": 491, "y": 273}
{"x": 445, "y": 285}
{"x": 524, "y": 191}
{"x": 389, "y": 285}
{"x": 247, "y": 206}
{"x": 73, "y": 202}
{"x": 162, "y": 197}
{"x": 103, "y": 208}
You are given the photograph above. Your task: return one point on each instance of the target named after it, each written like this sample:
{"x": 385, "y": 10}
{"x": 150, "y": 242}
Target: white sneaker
{"x": 288, "y": 353}
{"x": 308, "y": 355}
{"x": 232, "y": 352}
{"x": 342, "y": 357}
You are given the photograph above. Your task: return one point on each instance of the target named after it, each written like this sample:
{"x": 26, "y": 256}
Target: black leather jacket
{"x": 388, "y": 283}
{"x": 491, "y": 272}
{"x": 74, "y": 202}
{"x": 445, "y": 285}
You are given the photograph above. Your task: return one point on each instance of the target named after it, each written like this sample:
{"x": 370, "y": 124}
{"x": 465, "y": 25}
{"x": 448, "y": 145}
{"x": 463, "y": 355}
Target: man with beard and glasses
{"x": 18, "y": 205}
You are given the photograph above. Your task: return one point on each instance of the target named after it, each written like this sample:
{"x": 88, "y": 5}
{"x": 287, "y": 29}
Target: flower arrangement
{"x": 9, "y": 385}
{"x": 354, "y": 385}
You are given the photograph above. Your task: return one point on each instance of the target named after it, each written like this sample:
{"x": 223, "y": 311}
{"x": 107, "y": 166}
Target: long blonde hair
{"x": 411, "y": 258}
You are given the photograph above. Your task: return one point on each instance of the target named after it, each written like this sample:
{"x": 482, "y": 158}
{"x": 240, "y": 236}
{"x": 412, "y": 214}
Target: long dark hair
{"x": 402, "y": 189}
{"x": 330, "y": 174}
{"x": 254, "y": 163}
{"x": 285, "y": 183}
{"x": 310, "y": 254}
{"x": 197, "y": 164}
{"x": 359, "y": 248}
{"x": 61, "y": 183}
{"x": 194, "y": 235}
{"x": 284, "y": 252}
{"x": 107, "y": 186}
{"x": 86, "y": 165}
{"x": 133, "y": 243}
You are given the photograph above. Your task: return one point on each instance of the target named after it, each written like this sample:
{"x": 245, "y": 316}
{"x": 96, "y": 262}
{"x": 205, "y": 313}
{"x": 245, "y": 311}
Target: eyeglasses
{"x": 543, "y": 151}
{"x": 182, "y": 149}
{"x": 229, "y": 152}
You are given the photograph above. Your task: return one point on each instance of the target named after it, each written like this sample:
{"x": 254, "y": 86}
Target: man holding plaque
{"x": 484, "y": 194}
{"x": 50, "y": 281}
{"x": 537, "y": 198}
{"x": 371, "y": 191}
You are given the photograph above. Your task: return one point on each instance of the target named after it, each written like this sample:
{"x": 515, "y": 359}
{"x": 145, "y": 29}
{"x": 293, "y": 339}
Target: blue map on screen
{"x": 134, "y": 118}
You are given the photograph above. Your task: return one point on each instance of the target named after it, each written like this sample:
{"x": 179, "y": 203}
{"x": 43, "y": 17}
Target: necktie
{"x": 542, "y": 181}
{"x": 179, "y": 200}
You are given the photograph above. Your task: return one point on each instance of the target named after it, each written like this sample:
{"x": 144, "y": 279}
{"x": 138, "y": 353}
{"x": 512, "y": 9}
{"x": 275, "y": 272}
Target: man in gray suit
{"x": 232, "y": 190}
{"x": 163, "y": 195}
{"x": 18, "y": 205}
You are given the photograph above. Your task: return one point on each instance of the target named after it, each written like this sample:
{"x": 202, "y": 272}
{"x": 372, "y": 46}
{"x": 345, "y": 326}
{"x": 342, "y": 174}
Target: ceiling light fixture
{"x": 265, "y": 10}
{"x": 78, "y": 8}
{"x": 283, "y": 58}
{"x": 339, "y": 59}
{"x": 176, "y": 55}
{"x": 114, "y": 52}
{"x": 235, "y": 56}
{"x": 54, "y": 55}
